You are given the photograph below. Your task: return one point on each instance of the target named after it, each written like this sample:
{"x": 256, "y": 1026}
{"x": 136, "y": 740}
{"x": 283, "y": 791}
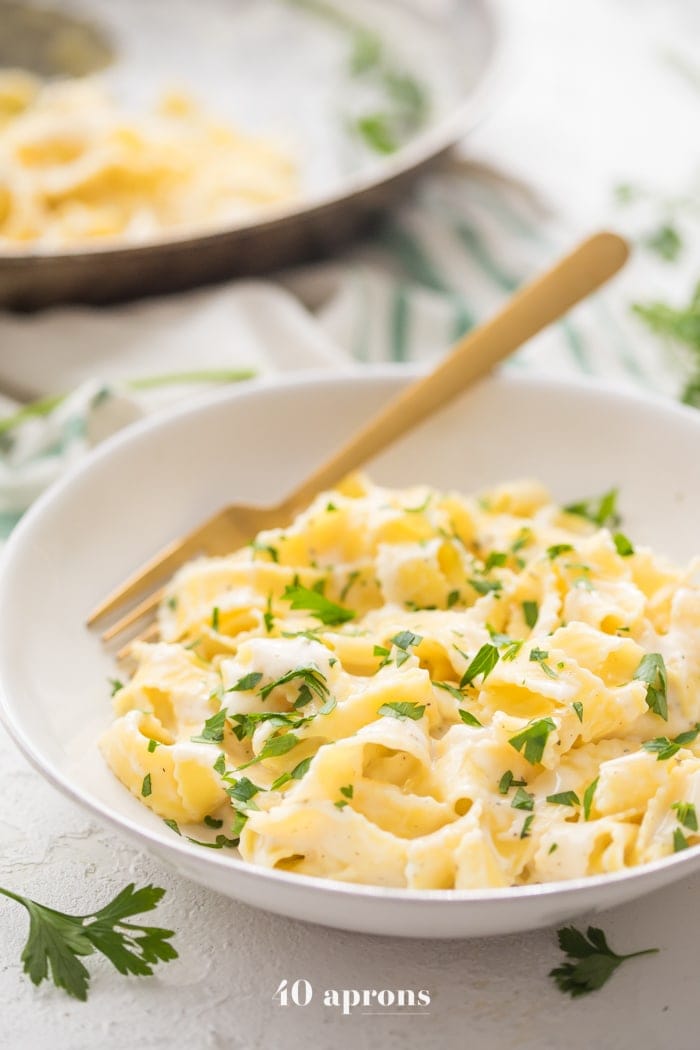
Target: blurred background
{"x": 374, "y": 176}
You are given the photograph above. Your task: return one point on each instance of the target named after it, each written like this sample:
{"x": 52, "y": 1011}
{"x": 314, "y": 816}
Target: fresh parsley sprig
{"x": 57, "y": 942}
{"x": 597, "y": 961}
{"x": 313, "y": 601}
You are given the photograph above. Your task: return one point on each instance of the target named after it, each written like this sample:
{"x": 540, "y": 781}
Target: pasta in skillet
{"x": 77, "y": 169}
{"x": 420, "y": 689}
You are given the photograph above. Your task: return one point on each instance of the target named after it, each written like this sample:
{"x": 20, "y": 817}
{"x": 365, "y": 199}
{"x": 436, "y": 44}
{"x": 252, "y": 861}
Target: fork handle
{"x": 531, "y": 309}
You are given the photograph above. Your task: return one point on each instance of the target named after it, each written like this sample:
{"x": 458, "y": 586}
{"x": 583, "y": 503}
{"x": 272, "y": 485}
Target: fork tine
{"x": 148, "y": 605}
{"x": 148, "y": 635}
{"x": 162, "y": 564}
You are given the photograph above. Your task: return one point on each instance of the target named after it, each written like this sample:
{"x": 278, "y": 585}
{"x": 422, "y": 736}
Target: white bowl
{"x": 162, "y": 477}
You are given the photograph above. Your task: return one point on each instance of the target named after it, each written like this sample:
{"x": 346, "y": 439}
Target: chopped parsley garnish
{"x": 245, "y": 724}
{"x": 272, "y": 551}
{"x": 652, "y": 670}
{"x": 664, "y": 748}
{"x": 171, "y": 602}
{"x": 531, "y": 611}
{"x": 588, "y": 798}
{"x": 57, "y": 942}
{"x": 212, "y": 822}
{"x": 451, "y": 689}
{"x": 511, "y": 649}
{"x": 508, "y": 781}
{"x": 220, "y": 764}
{"x": 486, "y": 586}
{"x": 146, "y": 788}
{"x": 532, "y": 740}
{"x": 539, "y": 656}
{"x": 523, "y": 800}
{"x": 578, "y": 708}
{"x": 273, "y": 747}
{"x": 600, "y": 510}
{"x": 172, "y": 824}
{"x": 239, "y": 821}
{"x": 557, "y": 549}
{"x": 564, "y": 798}
{"x": 525, "y": 831}
{"x": 246, "y": 683}
{"x": 215, "y": 618}
{"x": 241, "y": 792}
{"x": 623, "y": 546}
{"x": 522, "y": 539}
{"x": 483, "y": 663}
{"x": 597, "y": 961}
{"x": 352, "y": 577}
{"x": 404, "y": 641}
{"x": 297, "y": 773}
{"x": 452, "y": 598}
{"x": 220, "y": 842}
{"x": 679, "y": 841}
{"x": 686, "y": 815}
{"x": 213, "y": 731}
{"x": 310, "y": 676}
{"x": 312, "y": 600}
{"x": 152, "y": 745}
{"x": 268, "y": 618}
{"x": 116, "y": 685}
{"x": 665, "y": 241}
{"x": 403, "y": 709}
{"x": 469, "y": 719}
{"x": 495, "y": 560}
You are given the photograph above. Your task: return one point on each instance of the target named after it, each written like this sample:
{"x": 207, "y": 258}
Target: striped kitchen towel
{"x": 441, "y": 262}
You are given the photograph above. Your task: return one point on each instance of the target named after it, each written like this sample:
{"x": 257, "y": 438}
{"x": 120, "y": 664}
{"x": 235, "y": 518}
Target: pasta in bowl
{"x": 414, "y": 688}
{"x": 54, "y": 699}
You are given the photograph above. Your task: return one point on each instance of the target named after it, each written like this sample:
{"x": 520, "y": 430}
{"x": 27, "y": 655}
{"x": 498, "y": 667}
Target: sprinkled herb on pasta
{"x": 422, "y": 689}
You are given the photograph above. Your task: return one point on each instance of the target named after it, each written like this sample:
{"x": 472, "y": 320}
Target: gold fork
{"x": 532, "y": 308}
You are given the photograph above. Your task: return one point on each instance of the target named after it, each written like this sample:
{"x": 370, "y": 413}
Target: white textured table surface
{"x": 594, "y": 101}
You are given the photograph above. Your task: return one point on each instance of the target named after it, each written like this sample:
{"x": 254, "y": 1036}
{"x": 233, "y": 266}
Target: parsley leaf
{"x": 564, "y": 798}
{"x": 664, "y": 748}
{"x": 679, "y": 841}
{"x": 588, "y": 798}
{"x": 486, "y": 586}
{"x": 652, "y": 670}
{"x": 469, "y": 719}
{"x": 623, "y": 545}
{"x": 404, "y": 641}
{"x": 310, "y": 676}
{"x": 532, "y": 740}
{"x": 246, "y": 683}
{"x": 525, "y": 830}
{"x": 597, "y": 962}
{"x": 600, "y": 510}
{"x": 313, "y": 601}
{"x": 539, "y": 656}
{"x": 523, "y": 800}
{"x": 213, "y": 731}
{"x": 558, "y": 548}
{"x": 578, "y": 708}
{"x": 483, "y": 663}
{"x": 57, "y": 942}
{"x": 297, "y": 773}
{"x": 531, "y": 611}
{"x": 508, "y": 781}
{"x": 273, "y": 747}
{"x": 403, "y": 709}
{"x": 686, "y": 815}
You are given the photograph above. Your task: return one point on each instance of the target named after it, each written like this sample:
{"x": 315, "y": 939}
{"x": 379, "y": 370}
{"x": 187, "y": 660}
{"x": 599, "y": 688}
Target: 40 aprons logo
{"x": 362, "y": 1000}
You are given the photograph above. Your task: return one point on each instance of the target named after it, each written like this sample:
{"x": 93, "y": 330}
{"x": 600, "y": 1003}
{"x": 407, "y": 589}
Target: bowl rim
{"x": 178, "y": 846}
{"x": 435, "y": 139}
